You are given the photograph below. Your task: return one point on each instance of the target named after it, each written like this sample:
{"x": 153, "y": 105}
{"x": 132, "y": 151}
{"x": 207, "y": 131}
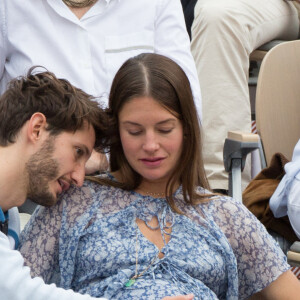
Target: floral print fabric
{"x": 89, "y": 240}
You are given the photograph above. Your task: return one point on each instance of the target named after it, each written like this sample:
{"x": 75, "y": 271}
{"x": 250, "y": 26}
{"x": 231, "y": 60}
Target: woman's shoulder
{"x": 92, "y": 190}
{"x": 222, "y": 208}
{"x": 225, "y": 202}
{"x": 211, "y": 205}
{"x": 94, "y": 183}
{"x": 213, "y": 201}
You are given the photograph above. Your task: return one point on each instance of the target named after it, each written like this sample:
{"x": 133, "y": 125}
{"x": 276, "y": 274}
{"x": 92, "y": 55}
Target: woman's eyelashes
{"x": 134, "y": 133}
{"x": 137, "y": 132}
{"x": 165, "y": 130}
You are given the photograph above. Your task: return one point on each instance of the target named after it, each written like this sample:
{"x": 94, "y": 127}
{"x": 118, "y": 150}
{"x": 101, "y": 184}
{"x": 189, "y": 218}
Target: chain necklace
{"x": 79, "y": 3}
{"x": 153, "y": 194}
{"x": 131, "y": 281}
{"x": 156, "y": 195}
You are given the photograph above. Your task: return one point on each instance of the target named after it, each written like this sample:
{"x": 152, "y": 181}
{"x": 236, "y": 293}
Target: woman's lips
{"x": 152, "y": 162}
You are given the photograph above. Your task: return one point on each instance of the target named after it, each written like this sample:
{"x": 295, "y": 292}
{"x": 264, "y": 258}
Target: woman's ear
{"x": 36, "y": 126}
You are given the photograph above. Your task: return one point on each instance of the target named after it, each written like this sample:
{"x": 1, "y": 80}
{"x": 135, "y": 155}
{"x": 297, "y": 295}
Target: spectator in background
{"x": 86, "y": 41}
{"x": 224, "y": 33}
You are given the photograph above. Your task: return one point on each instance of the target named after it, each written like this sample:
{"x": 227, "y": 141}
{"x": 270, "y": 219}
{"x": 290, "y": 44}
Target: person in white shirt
{"x": 87, "y": 41}
{"x": 224, "y": 33}
{"x": 286, "y": 199}
{"x": 48, "y": 130}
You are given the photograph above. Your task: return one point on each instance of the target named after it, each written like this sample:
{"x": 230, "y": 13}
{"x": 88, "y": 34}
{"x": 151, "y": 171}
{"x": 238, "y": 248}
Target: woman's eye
{"x": 165, "y": 131}
{"x": 135, "y": 132}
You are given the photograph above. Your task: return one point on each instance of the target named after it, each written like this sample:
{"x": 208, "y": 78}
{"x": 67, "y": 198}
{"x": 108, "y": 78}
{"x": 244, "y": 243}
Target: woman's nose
{"x": 151, "y": 143}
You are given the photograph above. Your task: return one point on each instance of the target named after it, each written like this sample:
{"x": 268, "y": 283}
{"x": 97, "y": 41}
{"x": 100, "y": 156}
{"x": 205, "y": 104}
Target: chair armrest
{"x": 238, "y": 145}
{"x": 236, "y": 148}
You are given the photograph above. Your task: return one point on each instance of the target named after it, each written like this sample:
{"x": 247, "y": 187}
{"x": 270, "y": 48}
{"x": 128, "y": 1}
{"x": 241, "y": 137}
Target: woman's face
{"x": 151, "y": 138}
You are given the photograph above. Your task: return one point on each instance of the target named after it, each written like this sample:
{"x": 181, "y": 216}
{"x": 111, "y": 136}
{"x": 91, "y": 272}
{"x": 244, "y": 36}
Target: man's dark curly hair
{"x": 65, "y": 107}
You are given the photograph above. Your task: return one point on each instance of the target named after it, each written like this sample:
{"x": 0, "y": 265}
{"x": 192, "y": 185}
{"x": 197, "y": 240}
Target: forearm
{"x": 97, "y": 162}
{"x": 285, "y": 287}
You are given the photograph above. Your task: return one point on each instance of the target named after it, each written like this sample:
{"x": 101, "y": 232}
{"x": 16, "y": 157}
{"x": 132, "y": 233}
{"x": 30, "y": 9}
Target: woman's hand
{"x": 181, "y": 297}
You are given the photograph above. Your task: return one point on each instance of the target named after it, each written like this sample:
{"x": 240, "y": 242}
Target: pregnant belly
{"x": 158, "y": 289}
{"x": 147, "y": 289}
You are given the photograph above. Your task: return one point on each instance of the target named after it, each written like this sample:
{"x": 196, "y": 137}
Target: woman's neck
{"x": 148, "y": 188}
{"x": 151, "y": 188}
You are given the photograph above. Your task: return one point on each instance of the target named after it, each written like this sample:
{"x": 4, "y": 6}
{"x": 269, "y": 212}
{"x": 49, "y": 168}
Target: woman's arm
{"x": 286, "y": 286}
{"x": 260, "y": 261}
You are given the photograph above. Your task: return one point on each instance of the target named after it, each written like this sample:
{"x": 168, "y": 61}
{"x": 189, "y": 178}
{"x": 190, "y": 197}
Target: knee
{"x": 213, "y": 16}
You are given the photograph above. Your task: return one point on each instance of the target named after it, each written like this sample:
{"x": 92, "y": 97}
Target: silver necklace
{"x": 79, "y": 3}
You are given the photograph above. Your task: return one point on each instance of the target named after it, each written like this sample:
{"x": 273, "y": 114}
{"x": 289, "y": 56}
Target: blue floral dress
{"x": 90, "y": 242}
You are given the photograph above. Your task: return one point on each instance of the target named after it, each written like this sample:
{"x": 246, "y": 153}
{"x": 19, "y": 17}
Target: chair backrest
{"x": 278, "y": 100}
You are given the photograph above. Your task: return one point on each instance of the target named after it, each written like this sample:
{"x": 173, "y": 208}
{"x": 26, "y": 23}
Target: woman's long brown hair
{"x": 158, "y": 77}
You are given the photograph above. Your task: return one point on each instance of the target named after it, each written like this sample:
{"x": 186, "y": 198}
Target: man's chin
{"x": 45, "y": 200}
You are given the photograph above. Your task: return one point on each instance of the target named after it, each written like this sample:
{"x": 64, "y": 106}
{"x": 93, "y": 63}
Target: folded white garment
{"x": 286, "y": 198}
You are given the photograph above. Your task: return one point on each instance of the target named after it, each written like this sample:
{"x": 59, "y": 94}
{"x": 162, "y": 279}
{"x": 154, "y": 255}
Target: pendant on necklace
{"x": 130, "y": 282}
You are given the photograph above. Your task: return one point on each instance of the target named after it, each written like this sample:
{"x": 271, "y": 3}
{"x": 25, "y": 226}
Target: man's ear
{"x": 36, "y": 126}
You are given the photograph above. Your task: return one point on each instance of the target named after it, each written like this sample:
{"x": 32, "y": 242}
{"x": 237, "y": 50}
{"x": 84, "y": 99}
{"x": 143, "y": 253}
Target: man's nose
{"x": 78, "y": 174}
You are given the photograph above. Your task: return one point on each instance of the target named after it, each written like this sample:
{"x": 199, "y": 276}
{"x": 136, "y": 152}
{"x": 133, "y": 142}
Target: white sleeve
{"x": 293, "y": 205}
{"x": 16, "y": 283}
{"x": 14, "y": 227}
{"x": 2, "y": 37}
{"x": 172, "y": 40}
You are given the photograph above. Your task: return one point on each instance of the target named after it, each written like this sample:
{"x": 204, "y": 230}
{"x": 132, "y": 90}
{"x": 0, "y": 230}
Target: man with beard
{"x": 48, "y": 130}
